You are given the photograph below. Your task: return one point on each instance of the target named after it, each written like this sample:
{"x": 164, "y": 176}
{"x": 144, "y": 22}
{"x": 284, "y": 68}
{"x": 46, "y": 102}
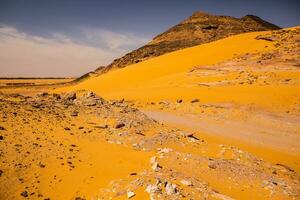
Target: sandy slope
{"x": 166, "y": 77}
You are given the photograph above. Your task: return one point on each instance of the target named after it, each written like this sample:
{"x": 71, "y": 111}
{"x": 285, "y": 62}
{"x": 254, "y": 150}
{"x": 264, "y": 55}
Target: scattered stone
{"x": 24, "y": 194}
{"x": 152, "y": 189}
{"x": 156, "y": 167}
{"x": 41, "y": 165}
{"x": 130, "y": 194}
{"x": 194, "y": 100}
{"x": 189, "y": 135}
{"x": 79, "y": 198}
{"x": 43, "y": 94}
{"x": 186, "y": 182}
{"x": 56, "y": 96}
{"x": 67, "y": 128}
{"x": 1, "y": 172}
{"x": 212, "y": 166}
{"x": 70, "y": 96}
{"x": 2, "y": 128}
{"x": 179, "y": 101}
{"x": 119, "y": 125}
{"x": 74, "y": 113}
{"x": 1, "y": 137}
{"x": 103, "y": 126}
{"x": 170, "y": 188}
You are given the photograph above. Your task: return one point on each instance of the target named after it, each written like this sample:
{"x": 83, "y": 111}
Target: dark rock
{"x": 79, "y": 198}
{"x": 41, "y": 165}
{"x": 119, "y": 125}
{"x": 212, "y": 166}
{"x": 2, "y": 128}
{"x": 1, "y": 172}
{"x": 195, "y": 101}
{"x": 67, "y": 128}
{"x": 56, "y": 96}
{"x": 1, "y": 137}
{"x": 43, "y": 94}
{"x": 24, "y": 194}
{"x": 179, "y": 101}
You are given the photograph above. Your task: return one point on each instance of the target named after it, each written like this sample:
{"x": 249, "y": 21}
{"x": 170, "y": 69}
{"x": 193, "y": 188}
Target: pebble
{"x": 24, "y": 194}
{"x": 186, "y": 182}
{"x": 130, "y": 194}
{"x": 119, "y": 125}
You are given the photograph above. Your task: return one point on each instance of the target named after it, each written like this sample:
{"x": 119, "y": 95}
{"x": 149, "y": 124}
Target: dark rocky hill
{"x": 197, "y": 29}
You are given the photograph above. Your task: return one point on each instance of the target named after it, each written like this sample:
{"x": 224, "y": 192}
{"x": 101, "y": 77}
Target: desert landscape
{"x": 209, "y": 109}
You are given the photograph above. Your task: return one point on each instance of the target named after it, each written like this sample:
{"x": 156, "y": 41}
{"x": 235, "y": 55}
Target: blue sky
{"x": 78, "y": 36}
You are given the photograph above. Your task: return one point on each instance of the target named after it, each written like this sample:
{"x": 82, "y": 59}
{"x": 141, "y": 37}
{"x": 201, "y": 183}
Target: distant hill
{"x": 197, "y": 29}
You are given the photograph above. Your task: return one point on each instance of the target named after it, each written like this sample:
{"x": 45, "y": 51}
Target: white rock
{"x": 165, "y": 150}
{"x": 186, "y": 182}
{"x": 152, "y": 189}
{"x": 153, "y": 159}
{"x": 130, "y": 194}
{"x": 155, "y": 166}
{"x": 170, "y": 188}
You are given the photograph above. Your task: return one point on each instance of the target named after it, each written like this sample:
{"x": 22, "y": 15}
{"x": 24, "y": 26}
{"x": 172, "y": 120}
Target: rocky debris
{"x": 130, "y": 194}
{"x": 1, "y": 137}
{"x": 1, "y": 172}
{"x": 43, "y": 94}
{"x": 91, "y": 99}
{"x": 2, "y": 128}
{"x": 67, "y": 128}
{"x": 56, "y": 96}
{"x": 270, "y": 38}
{"x": 103, "y": 126}
{"x": 189, "y": 135}
{"x": 171, "y": 188}
{"x": 154, "y": 164}
{"x": 186, "y": 182}
{"x": 24, "y": 194}
{"x": 74, "y": 113}
{"x": 79, "y": 198}
{"x": 41, "y": 165}
{"x": 179, "y": 100}
{"x": 195, "y": 100}
{"x": 119, "y": 125}
{"x": 152, "y": 189}
{"x": 69, "y": 96}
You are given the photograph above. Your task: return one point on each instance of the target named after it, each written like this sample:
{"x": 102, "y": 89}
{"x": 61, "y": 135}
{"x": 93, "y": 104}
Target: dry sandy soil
{"x": 215, "y": 121}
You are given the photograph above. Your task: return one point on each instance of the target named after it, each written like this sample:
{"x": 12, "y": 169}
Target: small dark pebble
{"x": 24, "y": 194}
{"x": 120, "y": 125}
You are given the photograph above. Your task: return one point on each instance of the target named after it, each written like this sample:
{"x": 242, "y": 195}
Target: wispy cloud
{"x": 112, "y": 40}
{"x": 22, "y": 54}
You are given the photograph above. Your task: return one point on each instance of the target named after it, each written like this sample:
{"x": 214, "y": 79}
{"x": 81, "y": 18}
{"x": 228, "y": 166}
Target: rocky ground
{"x": 80, "y": 146}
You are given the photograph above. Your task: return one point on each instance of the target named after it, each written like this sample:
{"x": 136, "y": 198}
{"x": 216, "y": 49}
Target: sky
{"x": 59, "y": 38}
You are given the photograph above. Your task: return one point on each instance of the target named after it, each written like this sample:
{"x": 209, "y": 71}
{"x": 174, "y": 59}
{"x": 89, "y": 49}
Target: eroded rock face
{"x": 197, "y": 29}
